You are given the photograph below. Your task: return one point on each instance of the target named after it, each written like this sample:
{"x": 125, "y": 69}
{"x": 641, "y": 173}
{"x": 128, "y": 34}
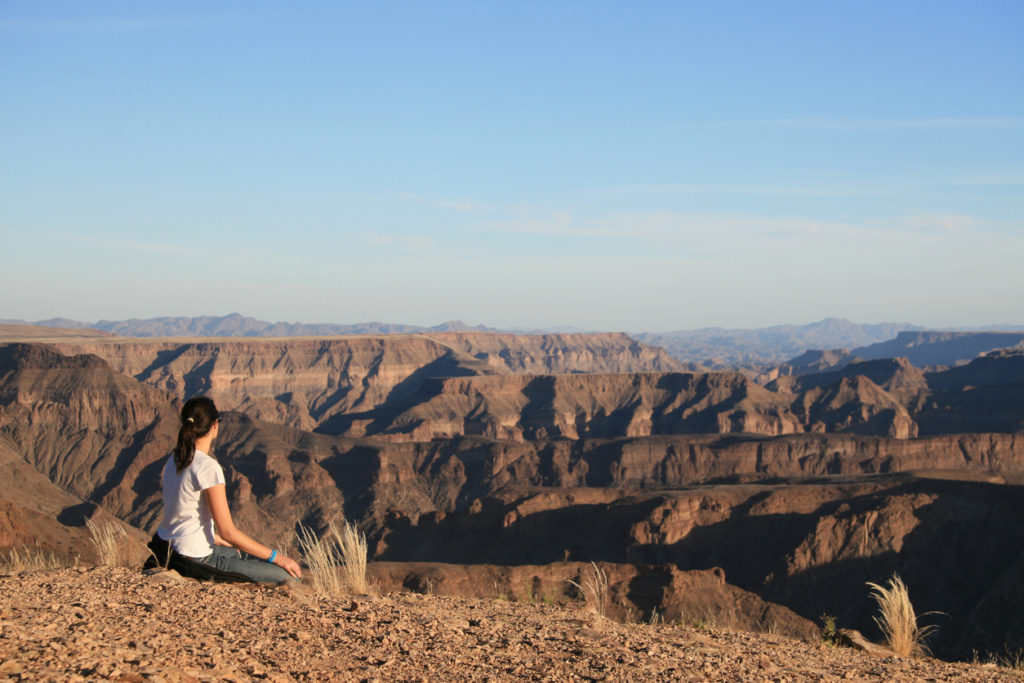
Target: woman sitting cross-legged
{"x": 197, "y": 537}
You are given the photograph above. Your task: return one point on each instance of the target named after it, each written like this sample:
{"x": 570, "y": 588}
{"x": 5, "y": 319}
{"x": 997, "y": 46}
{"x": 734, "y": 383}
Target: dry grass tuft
{"x": 111, "y": 542}
{"x": 353, "y": 553}
{"x": 897, "y": 619}
{"x": 594, "y": 587}
{"x": 323, "y": 559}
{"x": 28, "y": 559}
{"x": 336, "y": 560}
{"x": 1009, "y": 658}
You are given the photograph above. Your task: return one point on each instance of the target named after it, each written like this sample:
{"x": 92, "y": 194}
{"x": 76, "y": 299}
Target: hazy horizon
{"x": 660, "y": 167}
{"x": 558, "y": 328}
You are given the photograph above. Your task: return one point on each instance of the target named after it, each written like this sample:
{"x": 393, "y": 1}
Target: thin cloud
{"x": 102, "y": 25}
{"x": 939, "y": 222}
{"x": 814, "y": 188}
{"x": 729, "y": 230}
{"x": 848, "y": 189}
{"x": 384, "y": 239}
{"x": 850, "y": 124}
{"x": 668, "y": 227}
{"x": 133, "y": 245}
{"x": 460, "y": 205}
{"x": 989, "y": 181}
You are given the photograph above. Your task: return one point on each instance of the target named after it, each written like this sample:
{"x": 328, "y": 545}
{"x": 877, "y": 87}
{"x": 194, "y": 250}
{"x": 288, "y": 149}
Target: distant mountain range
{"x": 237, "y": 325}
{"x": 720, "y": 348}
{"x": 711, "y": 348}
{"x": 922, "y": 349}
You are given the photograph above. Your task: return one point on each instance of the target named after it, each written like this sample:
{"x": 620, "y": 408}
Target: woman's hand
{"x": 289, "y": 565}
{"x": 217, "y": 500}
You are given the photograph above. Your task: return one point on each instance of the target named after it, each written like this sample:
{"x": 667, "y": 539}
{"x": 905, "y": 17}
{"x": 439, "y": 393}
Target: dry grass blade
{"x": 594, "y": 587}
{"x": 897, "y": 619}
{"x": 110, "y": 542}
{"x": 323, "y": 559}
{"x": 28, "y": 559}
{"x": 353, "y": 554}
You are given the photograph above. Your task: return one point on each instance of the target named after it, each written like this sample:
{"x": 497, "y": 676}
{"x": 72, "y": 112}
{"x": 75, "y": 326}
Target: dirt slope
{"x": 116, "y": 624}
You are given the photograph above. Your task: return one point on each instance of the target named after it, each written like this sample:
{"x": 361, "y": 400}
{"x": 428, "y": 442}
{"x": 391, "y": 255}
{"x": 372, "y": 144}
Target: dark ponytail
{"x": 197, "y": 418}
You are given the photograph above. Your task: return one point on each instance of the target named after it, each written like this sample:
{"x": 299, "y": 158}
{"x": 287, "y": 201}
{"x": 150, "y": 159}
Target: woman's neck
{"x": 205, "y": 444}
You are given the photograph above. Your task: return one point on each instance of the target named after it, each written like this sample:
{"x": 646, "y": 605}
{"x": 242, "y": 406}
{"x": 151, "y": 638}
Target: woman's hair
{"x": 197, "y": 418}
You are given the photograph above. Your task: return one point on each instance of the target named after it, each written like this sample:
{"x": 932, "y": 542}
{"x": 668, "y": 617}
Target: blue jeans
{"x": 230, "y": 560}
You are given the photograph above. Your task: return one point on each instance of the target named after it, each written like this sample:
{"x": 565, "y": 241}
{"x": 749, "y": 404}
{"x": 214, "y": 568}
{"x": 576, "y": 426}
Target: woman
{"x": 197, "y": 524}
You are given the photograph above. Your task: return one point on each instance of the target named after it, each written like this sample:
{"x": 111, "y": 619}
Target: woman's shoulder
{"x": 202, "y": 456}
{"x": 206, "y": 464}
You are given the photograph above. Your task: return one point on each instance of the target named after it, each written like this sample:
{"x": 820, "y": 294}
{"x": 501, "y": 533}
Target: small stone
{"x": 11, "y": 667}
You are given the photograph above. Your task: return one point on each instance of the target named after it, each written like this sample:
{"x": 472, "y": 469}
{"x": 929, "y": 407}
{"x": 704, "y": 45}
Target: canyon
{"x": 777, "y": 349}
{"x": 470, "y": 455}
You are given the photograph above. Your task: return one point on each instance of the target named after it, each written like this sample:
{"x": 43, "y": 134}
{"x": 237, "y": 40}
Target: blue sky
{"x": 645, "y": 166}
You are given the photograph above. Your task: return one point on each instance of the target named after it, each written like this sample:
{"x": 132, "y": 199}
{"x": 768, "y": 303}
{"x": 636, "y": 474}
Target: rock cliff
{"x": 306, "y": 383}
{"x": 798, "y": 496}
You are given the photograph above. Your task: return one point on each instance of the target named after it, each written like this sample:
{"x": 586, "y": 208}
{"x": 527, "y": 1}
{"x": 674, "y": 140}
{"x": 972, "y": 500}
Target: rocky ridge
{"x": 923, "y": 349}
{"x": 114, "y": 624}
{"x": 306, "y": 383}
{"x": 571, "y": 386}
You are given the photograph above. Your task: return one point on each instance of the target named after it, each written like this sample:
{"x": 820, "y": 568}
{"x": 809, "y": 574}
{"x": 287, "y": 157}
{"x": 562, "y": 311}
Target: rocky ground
{"x": 87, "y": 623}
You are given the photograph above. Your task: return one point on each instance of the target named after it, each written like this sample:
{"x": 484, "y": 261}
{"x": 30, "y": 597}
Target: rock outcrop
{"x": 102, "y": 438}
{"x": 306, "y": 383}
{"x": 809, "y": 546}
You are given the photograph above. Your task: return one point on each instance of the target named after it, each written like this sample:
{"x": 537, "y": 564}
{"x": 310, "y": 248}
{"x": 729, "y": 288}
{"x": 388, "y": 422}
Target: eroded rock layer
{"x": 798, "y": 496}
{"x": 308, "y": 383}
{"x": 420, "y": 387}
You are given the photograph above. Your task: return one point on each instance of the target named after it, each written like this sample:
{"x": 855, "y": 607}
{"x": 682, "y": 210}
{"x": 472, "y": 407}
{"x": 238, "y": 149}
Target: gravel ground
{"x": 118, "y": 624}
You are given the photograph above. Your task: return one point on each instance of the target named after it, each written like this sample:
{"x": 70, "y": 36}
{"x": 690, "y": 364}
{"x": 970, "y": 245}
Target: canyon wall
{"x": 796, "y": 494}
{"x": 307, "y": 383}
{"x": 422, "y": 387}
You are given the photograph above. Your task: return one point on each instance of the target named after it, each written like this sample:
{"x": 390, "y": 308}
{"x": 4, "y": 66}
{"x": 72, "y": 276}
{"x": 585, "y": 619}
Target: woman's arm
{"x": 217, "y": 501}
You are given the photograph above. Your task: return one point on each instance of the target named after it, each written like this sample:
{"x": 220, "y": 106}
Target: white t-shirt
{"x": 187, "y": 524}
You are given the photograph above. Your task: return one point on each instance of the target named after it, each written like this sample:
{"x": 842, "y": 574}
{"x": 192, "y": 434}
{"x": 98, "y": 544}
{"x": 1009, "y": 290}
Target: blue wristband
{"x": 273, "y": 554}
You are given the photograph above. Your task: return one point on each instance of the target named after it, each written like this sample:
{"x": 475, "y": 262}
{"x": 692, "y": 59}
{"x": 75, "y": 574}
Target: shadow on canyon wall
{"x": 931, "y": 532}
{"x": 802, "y": 520}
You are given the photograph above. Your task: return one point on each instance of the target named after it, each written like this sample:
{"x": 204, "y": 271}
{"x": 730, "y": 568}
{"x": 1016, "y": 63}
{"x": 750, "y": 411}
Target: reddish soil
{"x": 117, "y": 624}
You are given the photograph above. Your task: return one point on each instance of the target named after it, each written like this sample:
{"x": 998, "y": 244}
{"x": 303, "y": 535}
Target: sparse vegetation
{"x": 829, "y": 630}
{"x": 28, "y": 559}
{"x": 594, "y": 588}
{"x": 323, "y": 560}
{"x": 1009, "y": 658}
{"x": 353, "y": 554}
{"x": 716, "y": 618}
{"x": 111, "y": 543}
{"x": 897, "y": 619}
{"x": 336, "y": 560}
